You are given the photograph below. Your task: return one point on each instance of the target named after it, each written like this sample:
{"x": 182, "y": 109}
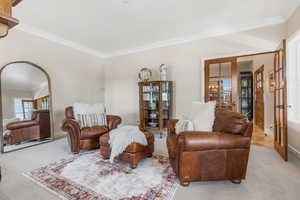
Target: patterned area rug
{"x": 87, "y": 176}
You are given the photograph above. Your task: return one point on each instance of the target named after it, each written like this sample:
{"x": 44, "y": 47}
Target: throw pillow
{"x": 203, "y": 116}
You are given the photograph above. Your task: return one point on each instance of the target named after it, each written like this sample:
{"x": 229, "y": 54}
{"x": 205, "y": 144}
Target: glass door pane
{"x": 221, "y": 82}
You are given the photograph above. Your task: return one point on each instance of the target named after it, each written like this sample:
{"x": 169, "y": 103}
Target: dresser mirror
{"x": 26, "y": 117}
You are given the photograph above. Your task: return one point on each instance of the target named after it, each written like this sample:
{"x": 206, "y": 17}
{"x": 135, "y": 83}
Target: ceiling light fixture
{"x": 6, "y": 20}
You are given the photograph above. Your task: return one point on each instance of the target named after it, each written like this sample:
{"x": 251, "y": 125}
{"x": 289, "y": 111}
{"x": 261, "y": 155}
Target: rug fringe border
{"x": 173, "y": 192}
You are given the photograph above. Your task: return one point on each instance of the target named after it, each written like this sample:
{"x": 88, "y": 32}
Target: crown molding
{"x": 54, "y": 38}
{"x": 57, "y": 39}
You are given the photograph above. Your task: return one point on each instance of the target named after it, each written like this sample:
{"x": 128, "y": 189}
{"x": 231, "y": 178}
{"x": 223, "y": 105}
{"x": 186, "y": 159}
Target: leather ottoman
{"x": 132, "y": 154}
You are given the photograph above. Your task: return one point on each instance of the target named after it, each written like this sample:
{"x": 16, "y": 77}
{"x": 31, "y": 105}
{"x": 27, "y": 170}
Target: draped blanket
{"x": 121, "y": 138}
{"x": 90, "y": 115}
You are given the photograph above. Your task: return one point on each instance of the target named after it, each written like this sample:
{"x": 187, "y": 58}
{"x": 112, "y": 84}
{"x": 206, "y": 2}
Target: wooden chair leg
{"x": 105, "y": 158}
{"x": 184, "y": 184}
{"x": 236, "y": 181}
{"x": 133, "y": 166}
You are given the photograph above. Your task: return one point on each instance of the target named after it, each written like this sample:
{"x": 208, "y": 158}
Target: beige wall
{"x": 75, "y": 76}
{"x": 185, "y": 68}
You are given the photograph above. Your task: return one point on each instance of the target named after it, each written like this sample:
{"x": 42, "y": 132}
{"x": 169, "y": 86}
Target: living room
{"x": 94, "y": 52}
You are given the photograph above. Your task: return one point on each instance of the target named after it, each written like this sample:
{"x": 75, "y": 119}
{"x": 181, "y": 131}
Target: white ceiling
{"x": 22, "y": 77}
{"x": 111, "y": 27}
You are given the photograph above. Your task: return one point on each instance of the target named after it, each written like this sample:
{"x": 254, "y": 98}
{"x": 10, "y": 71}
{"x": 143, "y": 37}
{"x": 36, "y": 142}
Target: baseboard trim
{"x": 294, "y": 151}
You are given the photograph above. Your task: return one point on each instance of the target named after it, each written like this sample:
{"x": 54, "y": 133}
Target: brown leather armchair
{"x": 86, "y": 138}
{"x": 37, "y": 128}
{"x": 219, "y": 155}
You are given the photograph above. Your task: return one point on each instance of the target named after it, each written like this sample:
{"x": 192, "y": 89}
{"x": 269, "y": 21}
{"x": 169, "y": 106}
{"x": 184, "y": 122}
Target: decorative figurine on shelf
{"x": 145, "y": 74}
{"x": 163, "y": 69}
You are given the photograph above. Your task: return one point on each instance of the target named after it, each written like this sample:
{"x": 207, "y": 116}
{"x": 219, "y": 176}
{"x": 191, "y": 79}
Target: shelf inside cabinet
{"x": 155, "y": 104}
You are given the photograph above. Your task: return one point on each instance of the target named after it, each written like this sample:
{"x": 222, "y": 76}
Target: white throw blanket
{"x": 90, "y": 114}
{"x": 121, "y": 138}
{"x": 184, "y": 125}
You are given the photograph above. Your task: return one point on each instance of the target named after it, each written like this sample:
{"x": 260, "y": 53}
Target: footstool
{"x": 132, "y": 154}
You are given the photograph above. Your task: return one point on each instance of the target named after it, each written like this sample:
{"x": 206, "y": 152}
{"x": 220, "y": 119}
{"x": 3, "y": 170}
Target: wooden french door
{"x": 280, "y": 103}
{"x": 259, "y": 97}
{"x": 221, "y": 82}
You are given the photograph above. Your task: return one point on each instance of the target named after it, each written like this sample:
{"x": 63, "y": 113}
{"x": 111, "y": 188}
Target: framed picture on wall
{"x": 271, "y": 82}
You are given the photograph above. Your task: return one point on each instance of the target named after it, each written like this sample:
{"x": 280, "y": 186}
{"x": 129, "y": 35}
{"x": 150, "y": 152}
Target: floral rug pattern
{"x": 87, "y": 176}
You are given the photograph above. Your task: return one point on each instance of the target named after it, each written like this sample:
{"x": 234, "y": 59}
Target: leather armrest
{"x": 21, "y": 124}
{"x": 71, "y": 124}
{"x": 200, "y": 141}
{"x": 113, "y": 121}
{"x": 171, "y": 126}
{"x": 249, "y": 130}
{"x": 72, "y": 127}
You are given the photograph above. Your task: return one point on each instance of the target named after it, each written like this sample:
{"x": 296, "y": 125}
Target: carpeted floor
{"x": 268, "y": 178}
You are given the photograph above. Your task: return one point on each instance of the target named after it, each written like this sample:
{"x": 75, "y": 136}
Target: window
{"x": 19, "y": 109}
{"x": 23, "y": 108}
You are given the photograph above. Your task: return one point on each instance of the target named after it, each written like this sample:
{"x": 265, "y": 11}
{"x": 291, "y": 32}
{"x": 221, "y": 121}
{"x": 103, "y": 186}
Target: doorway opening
{"x": 253, "y": 85}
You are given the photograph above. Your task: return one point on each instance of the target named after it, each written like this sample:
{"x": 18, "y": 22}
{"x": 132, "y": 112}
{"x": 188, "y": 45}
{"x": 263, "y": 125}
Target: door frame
{"x": 202, "y": 84}
{"x": 261, "y": 68}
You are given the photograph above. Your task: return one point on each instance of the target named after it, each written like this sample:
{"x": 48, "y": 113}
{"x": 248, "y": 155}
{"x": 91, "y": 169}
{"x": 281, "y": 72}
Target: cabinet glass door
{"x": 151, "y": 96}
{"x": 166, "y": 103}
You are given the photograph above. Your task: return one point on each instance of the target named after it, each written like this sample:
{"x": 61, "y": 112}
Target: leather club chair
{"x": 86, "y": 138}
{"x": 37, "y": 128}
{"x": 219, "y": 155}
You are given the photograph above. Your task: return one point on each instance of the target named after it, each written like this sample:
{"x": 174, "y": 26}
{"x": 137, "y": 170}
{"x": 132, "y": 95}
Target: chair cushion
{"x": 93, "y": 132}
{"x": 230, "y": 122}
{"x": 133, "y": 148}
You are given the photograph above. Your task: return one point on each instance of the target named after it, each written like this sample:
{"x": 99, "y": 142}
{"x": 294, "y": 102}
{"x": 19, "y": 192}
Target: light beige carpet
{"x": 268, "y": 177}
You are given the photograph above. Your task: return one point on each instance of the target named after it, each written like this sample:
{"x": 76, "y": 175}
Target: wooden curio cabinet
{"x": 155, "y": 104}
